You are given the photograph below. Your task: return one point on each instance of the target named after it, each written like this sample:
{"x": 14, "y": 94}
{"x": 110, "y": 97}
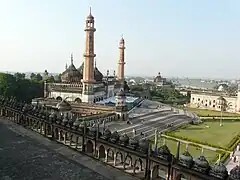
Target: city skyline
{"x": 42, "y": 35}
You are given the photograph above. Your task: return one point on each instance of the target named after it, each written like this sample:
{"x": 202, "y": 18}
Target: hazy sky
{"x": 194, "y": 38}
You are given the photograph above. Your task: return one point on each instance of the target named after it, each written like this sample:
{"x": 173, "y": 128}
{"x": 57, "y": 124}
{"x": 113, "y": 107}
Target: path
{"x": 189, "y": 142}
{"x": 28, "y": 154}
{"x": 230, "y": 164}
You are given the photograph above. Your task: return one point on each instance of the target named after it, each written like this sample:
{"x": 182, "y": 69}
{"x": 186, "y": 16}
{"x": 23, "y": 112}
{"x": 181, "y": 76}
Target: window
{"x": 193, "y": 99}
{"x": 214, "y": 101}
{"x": 213, "y": 106}
{"x": 198, "y": 99}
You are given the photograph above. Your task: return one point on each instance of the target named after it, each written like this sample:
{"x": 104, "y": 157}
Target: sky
{"x": 179, "y": 38}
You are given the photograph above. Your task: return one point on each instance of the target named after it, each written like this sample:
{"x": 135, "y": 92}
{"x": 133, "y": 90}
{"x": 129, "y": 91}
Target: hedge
{"x": 195, "y": 141}
{"x": 224, "y": 155}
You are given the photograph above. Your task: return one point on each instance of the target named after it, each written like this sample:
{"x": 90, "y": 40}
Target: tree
{"x": 36, "y": 77}
{"x": 50, "y": 79}
{"x": 19, "y": 75}
{"x": 22, "y": 89}
{"x": 8, "y": 85}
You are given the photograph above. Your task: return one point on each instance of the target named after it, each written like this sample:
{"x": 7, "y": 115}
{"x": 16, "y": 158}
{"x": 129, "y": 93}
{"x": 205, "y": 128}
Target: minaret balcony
{"x": 90, "y": 29}
{"x": 89, "y": 55}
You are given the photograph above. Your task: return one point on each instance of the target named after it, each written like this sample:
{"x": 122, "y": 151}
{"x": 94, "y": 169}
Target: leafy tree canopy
{"x": 23, "y": 89}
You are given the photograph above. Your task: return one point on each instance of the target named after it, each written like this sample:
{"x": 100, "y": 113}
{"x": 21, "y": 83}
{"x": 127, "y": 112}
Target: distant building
{"x": 212, "y": 100}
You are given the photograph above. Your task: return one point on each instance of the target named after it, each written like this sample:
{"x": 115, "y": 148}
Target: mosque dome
{"x": 98, "y": 76}
{"x": 158, "y": 78}
{"x": 71, "y": 74}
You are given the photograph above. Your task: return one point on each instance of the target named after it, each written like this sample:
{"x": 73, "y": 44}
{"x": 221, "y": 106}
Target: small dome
{"x": 121, "y": 93}
{"x": 90, "y": 16}
{"x": 65, "y": 119}
{"x": 133, "y": 141}
{"x": 219, "y": 170}
{"x": 186, "y": 159}
{"x": 144, "y": 144}
{"x": 235, "y": 173}
{"x": 107, "y": 133}
{"x": 53, "y": 115}
{"x": 124, "y": 138}
{"x": 64, "y": 106}
{"x": 71, "y": 74}
{"x": 164, "y": 150}
{"x": 158, "y": 78}
{"x": 98, "y": 76}
{"x": 201, "y": 162}
{"x": 93, "y": 131}
{"x": 115, "y": 135}
{"x": 76, "y": 122}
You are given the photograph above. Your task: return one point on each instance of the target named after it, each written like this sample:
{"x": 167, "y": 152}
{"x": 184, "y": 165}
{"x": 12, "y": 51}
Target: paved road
{"x": 26, "y": 155}
{"x": 230, "y": 164}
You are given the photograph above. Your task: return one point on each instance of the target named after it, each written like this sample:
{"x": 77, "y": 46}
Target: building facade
{"x": 137, "y": 157}
{"x": 87, "y": 83}
{"x": 211, "y": 100}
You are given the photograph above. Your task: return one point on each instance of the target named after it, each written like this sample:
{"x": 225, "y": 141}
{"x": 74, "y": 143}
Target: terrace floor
{"x": 26, "y": 155}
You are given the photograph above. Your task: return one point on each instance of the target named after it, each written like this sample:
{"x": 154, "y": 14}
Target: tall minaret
{"x": 121, "y": 62}
{"x": 88, "y": 70}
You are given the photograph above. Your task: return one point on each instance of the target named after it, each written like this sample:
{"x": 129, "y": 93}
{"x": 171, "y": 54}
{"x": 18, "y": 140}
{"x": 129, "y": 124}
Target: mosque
{"x": 86, "y": 83}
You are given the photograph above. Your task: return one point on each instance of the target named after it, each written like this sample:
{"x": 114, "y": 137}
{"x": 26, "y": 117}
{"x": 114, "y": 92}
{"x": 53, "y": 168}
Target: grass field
{"x": 194, "y": 151}
{"x": 211, "y": 132}
{"x": 206, "y": 112}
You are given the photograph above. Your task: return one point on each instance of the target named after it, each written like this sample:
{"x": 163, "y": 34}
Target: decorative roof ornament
{"x": 72, "y": 58}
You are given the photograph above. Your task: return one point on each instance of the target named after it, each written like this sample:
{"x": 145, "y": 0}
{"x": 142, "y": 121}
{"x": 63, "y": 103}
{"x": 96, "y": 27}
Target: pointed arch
{"x": 110, "y": 154}
{"x": 78, "y": 100}
{"x": 181, "y": 177}
{"x": 59, "y": 98}
{"x": 101, "y": 152}
{"x": 89, "y": 147}
{"x": 138, "y": 164}
{"x": 128, "y": 160}
{"x": 119, "y": 157}
{"x": 56, "y": 133}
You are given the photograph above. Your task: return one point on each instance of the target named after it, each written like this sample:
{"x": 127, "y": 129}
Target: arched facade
{"x": 120, "y": 151}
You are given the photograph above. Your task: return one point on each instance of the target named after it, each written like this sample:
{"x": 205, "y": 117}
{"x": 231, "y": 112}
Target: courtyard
{"x": 211, "y": 132}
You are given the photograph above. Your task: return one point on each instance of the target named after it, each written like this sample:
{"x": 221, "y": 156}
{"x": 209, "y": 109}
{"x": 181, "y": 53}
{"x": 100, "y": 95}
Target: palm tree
{"x": 224, "y": 106}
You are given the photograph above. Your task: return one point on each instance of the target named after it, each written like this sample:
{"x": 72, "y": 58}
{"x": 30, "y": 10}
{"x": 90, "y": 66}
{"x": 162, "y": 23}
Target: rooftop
{"x": 27, "y": 155}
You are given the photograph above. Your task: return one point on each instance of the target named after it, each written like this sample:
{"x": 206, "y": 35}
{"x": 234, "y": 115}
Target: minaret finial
{"x": 122, "y": 36}
{"x": 95, "y": 63}
{"x": 90, "y": 10}
{"x": 71, "y": 58}
{"x": 66, "y": 66}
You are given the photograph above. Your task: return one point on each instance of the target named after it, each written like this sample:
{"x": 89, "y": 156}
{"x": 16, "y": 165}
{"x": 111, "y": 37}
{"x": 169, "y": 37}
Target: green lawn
{"x": 194, "y": 151}
{"x": 211, "y": 132}
{"x": 206, "y": 112}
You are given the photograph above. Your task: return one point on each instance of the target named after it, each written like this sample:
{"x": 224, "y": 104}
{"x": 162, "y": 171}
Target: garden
{"x": 209, "y": 133}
